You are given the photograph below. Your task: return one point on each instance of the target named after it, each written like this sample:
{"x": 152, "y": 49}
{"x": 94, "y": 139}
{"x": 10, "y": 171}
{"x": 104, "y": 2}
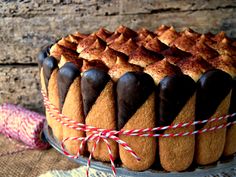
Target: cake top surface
{"x": 161, "y": 53}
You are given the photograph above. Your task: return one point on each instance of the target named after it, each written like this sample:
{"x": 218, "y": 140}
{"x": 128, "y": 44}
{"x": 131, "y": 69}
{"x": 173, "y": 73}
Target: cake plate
{"x": 220, "y": 167}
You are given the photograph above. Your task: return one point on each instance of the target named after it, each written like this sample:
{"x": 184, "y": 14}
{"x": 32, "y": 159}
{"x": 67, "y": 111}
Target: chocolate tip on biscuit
{"x": 93, "y": 82}
{"x": 49, "y": 64}
{"x": 174, "y": 92}
{"x": 66, "y": 75}
{"x": 213, "y": 86}
{"x": 44, "y": 53}
{"x": 133, "y": 88}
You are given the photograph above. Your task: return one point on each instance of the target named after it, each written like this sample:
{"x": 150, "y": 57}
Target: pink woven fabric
{"x": 23, "y": 125}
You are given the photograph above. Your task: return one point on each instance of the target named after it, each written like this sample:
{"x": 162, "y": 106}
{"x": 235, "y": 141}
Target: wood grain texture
{"x": 153, "y": 6}
{"x": 26, "y": 26}
{"x": 20, "y": 43}
{"x": 20, "y": 85}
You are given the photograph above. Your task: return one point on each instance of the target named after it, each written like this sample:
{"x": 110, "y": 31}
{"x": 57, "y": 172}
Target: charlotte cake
{"x": 130, "y": 79}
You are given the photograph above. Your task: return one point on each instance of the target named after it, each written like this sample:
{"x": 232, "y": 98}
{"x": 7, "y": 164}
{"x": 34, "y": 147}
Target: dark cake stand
{"x": 220, "y": 167}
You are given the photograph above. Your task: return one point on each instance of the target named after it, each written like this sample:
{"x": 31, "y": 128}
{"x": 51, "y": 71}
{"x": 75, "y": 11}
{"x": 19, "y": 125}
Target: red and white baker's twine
{"x": 98, "y": 134}
{"x": 23, "y": 125}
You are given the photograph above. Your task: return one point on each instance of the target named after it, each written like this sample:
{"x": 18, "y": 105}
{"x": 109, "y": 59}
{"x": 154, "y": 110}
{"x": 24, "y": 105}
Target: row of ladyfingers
{"x": 141, "y": 79}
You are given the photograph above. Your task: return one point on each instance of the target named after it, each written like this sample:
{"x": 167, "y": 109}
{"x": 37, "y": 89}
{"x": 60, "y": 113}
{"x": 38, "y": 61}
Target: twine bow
{"x": 98, "y": 134}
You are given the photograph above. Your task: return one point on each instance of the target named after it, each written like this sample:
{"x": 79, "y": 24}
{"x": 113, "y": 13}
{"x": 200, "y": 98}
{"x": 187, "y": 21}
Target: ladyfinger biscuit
{"x": 44, "y": 53}
{"x": 226, "y": 63}
{"x": 230, "y": 144}
{"x": 136, "y": 109}
{"x": 49, "y": 65}
{"x": 213, "y": 100}
{"x": 102, "y": 115}
{"x": 176, "y": 105}
{"x": 42, "y": 81}
{"x": 210, "y": 145}
{"x": 71, "y": 102}
{"x": 99, "y": 109}
{"x": 53, "y": 96}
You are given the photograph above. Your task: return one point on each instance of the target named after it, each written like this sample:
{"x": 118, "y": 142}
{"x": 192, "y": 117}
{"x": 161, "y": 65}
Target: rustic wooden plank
{"x": 201, "y": 21}
{"x": 20, "y": 43}
{"x": 20, "y": 85}
{"x": 28, "y": 9}
{"x": 34, "y": 8}
{"x": 153, "y": 6}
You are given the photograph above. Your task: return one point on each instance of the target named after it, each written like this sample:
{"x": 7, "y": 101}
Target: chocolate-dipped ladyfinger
{"x": 136, "y": 109}
{"x": 49, "y": 84}
{"x": 230, "y": 144}
{"x": 44, "y": 53}
{"x": 99, "y": 109}
{"x": 227, "y": 64}
{"x": 69, "y": 84}
{"x": 53, "y": 96}
{"x": 175, "y": 104}
{"x": 213, "y": 100}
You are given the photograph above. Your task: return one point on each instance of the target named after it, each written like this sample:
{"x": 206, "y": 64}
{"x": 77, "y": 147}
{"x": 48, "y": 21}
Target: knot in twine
{"x": 22, "y": 125}
{"x": 98, "y": 134}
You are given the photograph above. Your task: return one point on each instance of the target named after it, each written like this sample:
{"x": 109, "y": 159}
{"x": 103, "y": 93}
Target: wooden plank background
{"x": 26, "y": 26}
